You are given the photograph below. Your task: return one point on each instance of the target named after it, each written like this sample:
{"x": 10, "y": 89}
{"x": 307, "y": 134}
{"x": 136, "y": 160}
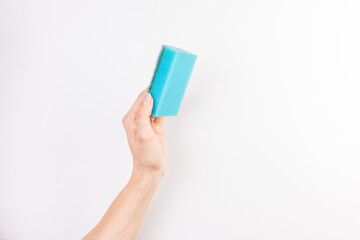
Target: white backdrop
{"x": 266, "y": 144}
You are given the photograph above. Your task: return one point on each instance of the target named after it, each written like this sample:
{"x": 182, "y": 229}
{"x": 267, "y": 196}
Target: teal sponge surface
{"x": 171, "y": 77}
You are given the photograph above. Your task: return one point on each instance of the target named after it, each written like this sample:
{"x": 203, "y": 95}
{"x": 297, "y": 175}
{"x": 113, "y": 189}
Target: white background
{"x": 266, "y": 144}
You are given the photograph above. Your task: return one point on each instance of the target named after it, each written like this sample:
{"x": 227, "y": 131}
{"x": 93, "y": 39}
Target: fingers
{"x": 159, "y": 121}
{"x": 142, "y": 115}
{"x": 158, "y": 125}
{"x": 137, "y": 102}
{"x": 139, "y": 117}
{"x": 128, "y": 120}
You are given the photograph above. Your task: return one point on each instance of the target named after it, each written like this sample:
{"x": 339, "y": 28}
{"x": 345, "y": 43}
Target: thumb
{"x": 143, "y": 113}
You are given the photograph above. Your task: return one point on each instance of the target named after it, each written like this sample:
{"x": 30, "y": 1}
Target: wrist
{"x": 145, "y": 178}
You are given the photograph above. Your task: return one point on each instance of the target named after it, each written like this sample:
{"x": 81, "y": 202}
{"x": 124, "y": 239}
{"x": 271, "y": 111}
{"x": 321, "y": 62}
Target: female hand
{"x": 146, "y": 137}
{"x": 147, "y": 143}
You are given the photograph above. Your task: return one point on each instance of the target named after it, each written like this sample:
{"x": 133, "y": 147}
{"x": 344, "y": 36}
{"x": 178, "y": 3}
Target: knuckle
{"x": 144, "y": 137}
{"x": 124, "y": 120}
{"x": 128, "y": 124}
{"x": 131, "y": 127}
{"x": 140, "y": 112}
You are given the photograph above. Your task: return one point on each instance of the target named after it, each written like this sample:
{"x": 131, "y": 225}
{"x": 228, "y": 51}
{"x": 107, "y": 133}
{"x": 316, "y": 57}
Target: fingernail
{"x": 146, "y": 99}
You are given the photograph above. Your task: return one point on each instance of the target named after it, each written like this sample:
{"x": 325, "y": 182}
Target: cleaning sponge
{"x": 171, "y": 77}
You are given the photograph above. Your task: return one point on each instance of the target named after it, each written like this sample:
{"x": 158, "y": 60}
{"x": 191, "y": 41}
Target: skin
{"x": 147, "y": 142}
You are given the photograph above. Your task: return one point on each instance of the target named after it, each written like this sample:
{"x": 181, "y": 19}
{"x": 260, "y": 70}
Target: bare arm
{"x": 147, "y": 143}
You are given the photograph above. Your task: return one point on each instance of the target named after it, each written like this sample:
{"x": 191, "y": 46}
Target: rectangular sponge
{"x": 171, "y": 77}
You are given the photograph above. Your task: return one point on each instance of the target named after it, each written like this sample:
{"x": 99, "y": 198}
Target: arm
{"x": 147, "y": 143}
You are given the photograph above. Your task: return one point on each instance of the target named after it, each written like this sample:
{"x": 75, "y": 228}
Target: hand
{"x": 147, "y": 142}
{"x": 146, "y": 137}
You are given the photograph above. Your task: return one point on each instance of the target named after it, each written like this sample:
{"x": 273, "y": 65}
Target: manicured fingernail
{"x": 146, "y": 99}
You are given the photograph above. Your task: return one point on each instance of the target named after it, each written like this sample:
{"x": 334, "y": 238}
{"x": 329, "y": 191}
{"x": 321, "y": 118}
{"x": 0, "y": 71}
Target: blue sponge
{"x": 171, "y": 77}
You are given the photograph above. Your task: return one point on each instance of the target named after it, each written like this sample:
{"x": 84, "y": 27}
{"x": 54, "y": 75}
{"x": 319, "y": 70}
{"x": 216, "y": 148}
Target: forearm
{"x": 149, "y": 184}
{"x": 125, "y": 215}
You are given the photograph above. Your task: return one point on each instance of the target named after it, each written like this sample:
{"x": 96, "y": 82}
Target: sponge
{"x": 171, "y": 77}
